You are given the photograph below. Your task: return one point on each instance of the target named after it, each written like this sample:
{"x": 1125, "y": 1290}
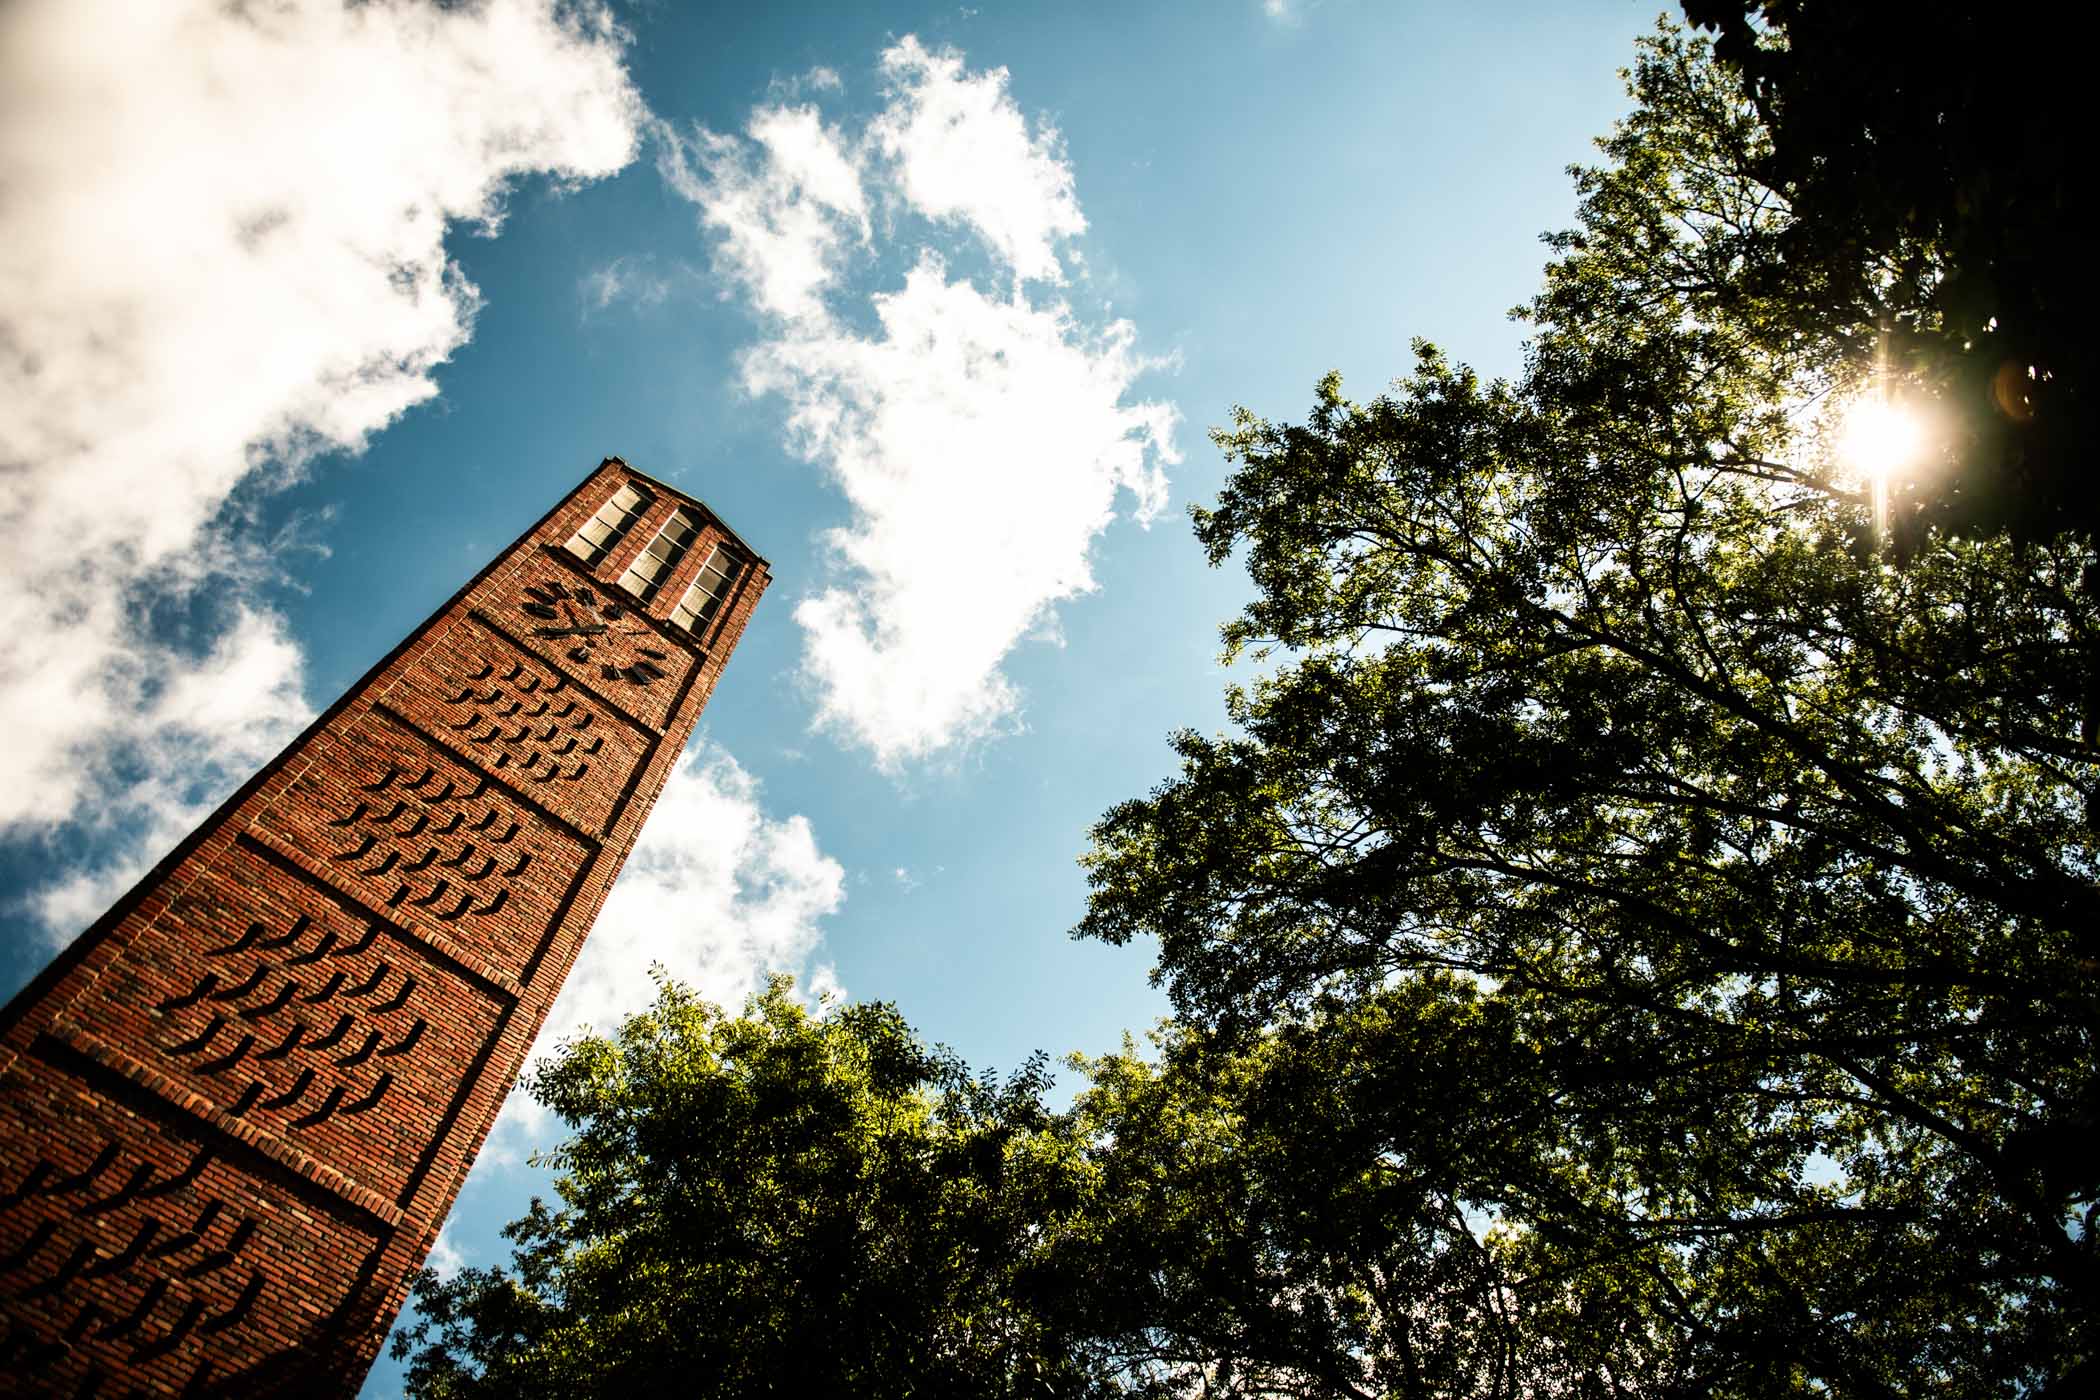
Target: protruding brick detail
{"x": 400, "y": 822}
{"x": 235, "y": 1112}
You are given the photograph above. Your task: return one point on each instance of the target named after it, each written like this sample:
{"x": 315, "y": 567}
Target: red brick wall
{"x": 235, "y": 1112}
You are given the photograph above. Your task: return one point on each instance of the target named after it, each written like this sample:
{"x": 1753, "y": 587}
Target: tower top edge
{"x": 689, "y": 498}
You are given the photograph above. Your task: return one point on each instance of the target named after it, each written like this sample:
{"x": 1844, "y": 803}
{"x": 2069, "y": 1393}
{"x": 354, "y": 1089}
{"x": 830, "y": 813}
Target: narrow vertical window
{"x": 654, "y": 564}
{"x": 709, "y": 588}
{"x": 611, "y": 524}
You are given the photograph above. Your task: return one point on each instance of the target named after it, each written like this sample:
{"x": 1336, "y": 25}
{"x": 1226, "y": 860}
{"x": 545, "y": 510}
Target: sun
{"x": 1879, "y": 438}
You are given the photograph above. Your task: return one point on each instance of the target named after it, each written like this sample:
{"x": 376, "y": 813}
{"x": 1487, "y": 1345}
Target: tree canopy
{"x": 1598, "y": 723}
{"x": 777, "y": 1203}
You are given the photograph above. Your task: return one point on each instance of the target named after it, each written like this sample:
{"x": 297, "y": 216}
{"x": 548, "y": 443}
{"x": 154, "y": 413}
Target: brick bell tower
{"x": 234, "y": 1113}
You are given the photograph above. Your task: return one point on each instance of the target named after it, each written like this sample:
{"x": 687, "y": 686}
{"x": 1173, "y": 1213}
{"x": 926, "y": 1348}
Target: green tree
{"x": 777, "y": 1203}
{"x": 1675, "y": 891}
{"x": 1330, "y": 1208}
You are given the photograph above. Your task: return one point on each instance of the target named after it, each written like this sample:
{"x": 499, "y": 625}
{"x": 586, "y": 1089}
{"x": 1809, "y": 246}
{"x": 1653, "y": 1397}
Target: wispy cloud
{"x": 212, "y": 720}
{"x": 980, "y": 435}
{"x": 222, "y": 255}
{"x": 636, "y": 280}
{"x": 789, "y": 87}
{"x": 786, "y": 201}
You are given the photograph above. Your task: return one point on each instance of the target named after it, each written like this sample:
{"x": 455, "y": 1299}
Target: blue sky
{"x": 306, "y": 314}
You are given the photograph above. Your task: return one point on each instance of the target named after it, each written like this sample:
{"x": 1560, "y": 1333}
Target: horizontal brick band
{"x": 440, "y": 946}
{"x": 408, "y": 725}
{"x": 597, "y": 695}
{"x": 204, "y": 1110}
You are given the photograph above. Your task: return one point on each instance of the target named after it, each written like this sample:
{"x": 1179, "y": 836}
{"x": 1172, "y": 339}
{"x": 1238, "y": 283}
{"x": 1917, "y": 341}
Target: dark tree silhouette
{"x": 1931, "y": 155}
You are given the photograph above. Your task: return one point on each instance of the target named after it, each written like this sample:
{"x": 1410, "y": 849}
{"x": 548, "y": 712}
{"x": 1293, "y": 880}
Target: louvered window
{"x": 708, "y": 590}
{"x": 654, "y": 564}
{"x": 609, "y": 526}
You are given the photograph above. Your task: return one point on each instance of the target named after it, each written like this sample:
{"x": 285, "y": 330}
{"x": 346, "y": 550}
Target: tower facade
{"x": 234, "y": 1113}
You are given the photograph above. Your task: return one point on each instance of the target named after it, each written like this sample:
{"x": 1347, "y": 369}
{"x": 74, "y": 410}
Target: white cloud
{"x": 221, "y": 253}
{"x": 981, "y": 441}
{"x": 787, "y": 202}
{"x": 964, "y": 155}
{"x": 446, "y": 1256}
{"x": 823, "y": 987}
{"x": 717, "y": 892}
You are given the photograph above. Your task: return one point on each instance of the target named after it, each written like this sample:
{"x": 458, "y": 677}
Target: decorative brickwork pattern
{"x": 235, "y": 1112}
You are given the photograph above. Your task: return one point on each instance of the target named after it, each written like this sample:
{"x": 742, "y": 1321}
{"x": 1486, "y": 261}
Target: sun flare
{"x": 1879, "y": 437}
